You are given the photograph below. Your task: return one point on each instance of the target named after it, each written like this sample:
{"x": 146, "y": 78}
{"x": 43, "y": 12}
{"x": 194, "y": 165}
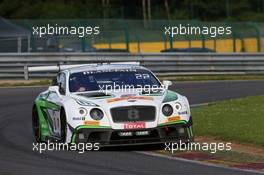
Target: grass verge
{"x": 238, "y": 157}
{"x": 239, "y": 120}
{"x": 19, "y": 83}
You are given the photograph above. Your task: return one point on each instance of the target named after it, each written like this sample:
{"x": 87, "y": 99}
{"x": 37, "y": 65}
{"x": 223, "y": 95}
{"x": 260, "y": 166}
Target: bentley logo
{"x": 133, "y": 114}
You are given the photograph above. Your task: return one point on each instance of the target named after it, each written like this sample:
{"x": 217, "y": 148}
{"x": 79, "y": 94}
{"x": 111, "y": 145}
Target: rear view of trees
{"x": 206, "y": 10}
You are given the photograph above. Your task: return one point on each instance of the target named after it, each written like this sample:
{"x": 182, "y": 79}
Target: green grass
{"x": 239, "y": 120}
{"x": 238, "y": 157}
{"x": 20, "y": 83}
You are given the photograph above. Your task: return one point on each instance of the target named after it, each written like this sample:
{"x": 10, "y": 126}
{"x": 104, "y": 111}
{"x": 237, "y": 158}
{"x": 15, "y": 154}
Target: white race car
{"x": 118, "y": 104}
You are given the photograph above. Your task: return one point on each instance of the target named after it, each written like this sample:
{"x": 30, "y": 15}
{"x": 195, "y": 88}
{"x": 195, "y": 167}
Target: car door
{"x": 53, "y": 106}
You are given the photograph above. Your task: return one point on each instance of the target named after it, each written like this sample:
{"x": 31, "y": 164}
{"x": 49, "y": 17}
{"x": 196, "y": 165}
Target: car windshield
{"x": 111, "y": 79}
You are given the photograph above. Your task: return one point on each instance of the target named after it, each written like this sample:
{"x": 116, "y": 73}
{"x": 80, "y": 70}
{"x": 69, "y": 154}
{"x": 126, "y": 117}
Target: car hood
{"x": 115, "y": 99}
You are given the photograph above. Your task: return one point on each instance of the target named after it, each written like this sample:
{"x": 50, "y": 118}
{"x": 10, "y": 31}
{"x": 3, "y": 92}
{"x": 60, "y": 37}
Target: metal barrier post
{"x": 26, "y": 72}
{"x": 258, "y": 36}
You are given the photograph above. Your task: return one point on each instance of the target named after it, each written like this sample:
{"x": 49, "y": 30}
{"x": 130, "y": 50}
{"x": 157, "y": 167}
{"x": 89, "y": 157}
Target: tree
{"x": 106, "y": 8}
{"x": 149, "y": 10}
{"x": 166, "y": 4}
{"x": 144, "y": 12}
{"x": 146, "y": 8}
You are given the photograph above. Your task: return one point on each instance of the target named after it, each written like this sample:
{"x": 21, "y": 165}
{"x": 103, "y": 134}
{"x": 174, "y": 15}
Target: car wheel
{"x": 63, "y": 126}
{"x": 36, "y": 125}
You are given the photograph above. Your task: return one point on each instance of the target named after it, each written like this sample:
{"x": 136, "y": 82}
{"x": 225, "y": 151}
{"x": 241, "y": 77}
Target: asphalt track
{"x": 17, "y": 157}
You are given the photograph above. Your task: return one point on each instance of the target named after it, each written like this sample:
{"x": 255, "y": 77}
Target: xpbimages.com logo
{"x": 196, "y": 146}
{"x": 211, "y": 31}
{"x": 81, "y": 31}
{"x": 50, "y": 146}
{"x": 130, "y": 88}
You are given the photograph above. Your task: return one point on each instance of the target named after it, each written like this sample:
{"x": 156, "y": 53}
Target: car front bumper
{"x": 110, "y": 137}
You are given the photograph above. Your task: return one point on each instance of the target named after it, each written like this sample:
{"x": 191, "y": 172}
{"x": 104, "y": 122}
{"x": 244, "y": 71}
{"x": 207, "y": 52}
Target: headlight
{"x": 84, "y": 103}
{"x": 82, "y": 112}
{"x": 96, "y": 114}
{"x": 178, "y": 106}
{"x": 167, "y": 110}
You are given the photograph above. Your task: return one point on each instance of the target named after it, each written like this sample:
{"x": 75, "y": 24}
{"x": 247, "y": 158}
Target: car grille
{"x": 133, "y": 114}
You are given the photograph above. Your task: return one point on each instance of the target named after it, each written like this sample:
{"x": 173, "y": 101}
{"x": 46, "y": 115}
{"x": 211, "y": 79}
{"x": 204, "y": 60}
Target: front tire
{"x": 36, "y": 125}
{"x": 63, "y": 125}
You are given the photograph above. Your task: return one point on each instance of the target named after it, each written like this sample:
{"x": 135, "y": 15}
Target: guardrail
{"x": 162, "y": 64}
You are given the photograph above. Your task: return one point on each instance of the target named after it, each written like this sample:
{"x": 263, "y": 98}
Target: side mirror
{"x": 55, "y": 89}
{"x": 166, "y": 83}
{"x": 54, "y": 82}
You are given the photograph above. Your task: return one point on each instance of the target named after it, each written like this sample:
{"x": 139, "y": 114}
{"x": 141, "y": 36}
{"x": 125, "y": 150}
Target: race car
{"x": 111, "y": 104}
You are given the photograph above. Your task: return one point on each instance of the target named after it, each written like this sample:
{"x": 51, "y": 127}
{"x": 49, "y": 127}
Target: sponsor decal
{"x": 129, "y": 99}
{"x": 135, "y": 125}
{"x": 109, "y": 70}
{"x": 173, "y": 119}
{"x": 94, "y": 123}
{"x": 78, "y": 118}
{"x": 183, "y": 113}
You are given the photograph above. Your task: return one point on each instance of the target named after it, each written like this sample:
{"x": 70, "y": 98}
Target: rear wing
{"x": 59, "y": 68}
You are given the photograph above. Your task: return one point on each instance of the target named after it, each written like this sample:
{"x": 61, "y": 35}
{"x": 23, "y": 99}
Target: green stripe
{"x": 52, "y": 105}
{"x": 191, "y": 130}
{"x": 171, "y": 123}
{"x": 43, "y": 123}
{"x": 73, "y": 138}
{"x": 42, "y": 105}
{"x": 91, "y": 126}
{"x": 188, "y": 131}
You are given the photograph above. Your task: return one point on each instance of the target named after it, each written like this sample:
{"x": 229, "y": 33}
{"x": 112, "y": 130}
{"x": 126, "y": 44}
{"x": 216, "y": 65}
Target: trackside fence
{"x": 15, "y": 66}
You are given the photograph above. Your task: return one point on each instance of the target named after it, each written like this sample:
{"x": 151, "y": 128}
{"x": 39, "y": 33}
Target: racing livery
{"x": 111, "y": 105}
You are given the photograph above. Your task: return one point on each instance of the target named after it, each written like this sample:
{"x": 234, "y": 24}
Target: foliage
{"x": 205, "y": 10}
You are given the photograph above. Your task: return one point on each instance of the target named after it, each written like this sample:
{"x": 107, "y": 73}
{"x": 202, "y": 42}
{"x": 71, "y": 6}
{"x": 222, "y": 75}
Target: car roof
{"x": 104, "y": 67}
